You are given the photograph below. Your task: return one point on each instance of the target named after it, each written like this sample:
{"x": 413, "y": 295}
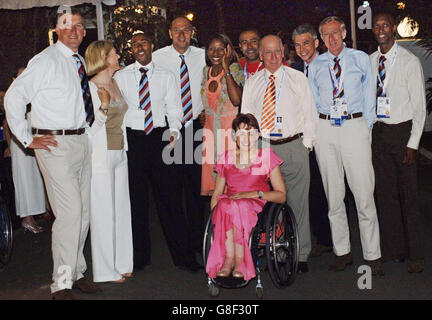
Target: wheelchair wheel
{"x": 5, "y": 234}
{"x": 281, "y": 245}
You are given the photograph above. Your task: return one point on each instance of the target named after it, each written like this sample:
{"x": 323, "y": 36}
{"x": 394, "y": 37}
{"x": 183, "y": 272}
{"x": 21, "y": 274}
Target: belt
{"x": 350, "y": 116}
{"x": 285, "y": 140}
{"x": 58, "y": 132}
{"x": 388, "y": 125}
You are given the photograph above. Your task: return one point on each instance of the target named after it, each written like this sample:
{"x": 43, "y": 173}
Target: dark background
{"x": 24, "y": 33}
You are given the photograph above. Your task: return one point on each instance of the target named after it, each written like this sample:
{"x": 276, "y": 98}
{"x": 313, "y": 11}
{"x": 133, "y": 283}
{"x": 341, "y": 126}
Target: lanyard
{"x": 384, "y": 85}
{"x": 245, "y": 71}
{"x": 278, "y": 92}
{"x": 339, "y": 86}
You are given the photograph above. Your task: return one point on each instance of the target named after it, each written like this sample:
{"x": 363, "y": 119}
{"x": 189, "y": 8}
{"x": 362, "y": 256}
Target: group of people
{"x": 104, "y": 137}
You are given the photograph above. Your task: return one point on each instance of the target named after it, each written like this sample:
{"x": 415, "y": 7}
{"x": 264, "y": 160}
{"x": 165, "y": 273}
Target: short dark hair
{"x": 248, "y": 119}
{"x": 226, "y": 41}
{"x": 385, "y": 14}
{"x": 146, "y": 35}
{"x": 250, "y": 30}
{"x": 305, "y": 28}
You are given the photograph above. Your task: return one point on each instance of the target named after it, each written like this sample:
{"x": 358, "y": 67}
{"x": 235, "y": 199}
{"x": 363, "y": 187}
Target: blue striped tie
{"x": 381, "y": 75}
{"x": 88, "y": 103}
{"x": 145, "y": 102}
{"x": 186, "y": 95}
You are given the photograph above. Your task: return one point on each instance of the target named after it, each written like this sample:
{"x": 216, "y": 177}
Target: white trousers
{"x": 347, "y": 150}
{"x": 67, "y": 173}
{"x": 111, "y": 228}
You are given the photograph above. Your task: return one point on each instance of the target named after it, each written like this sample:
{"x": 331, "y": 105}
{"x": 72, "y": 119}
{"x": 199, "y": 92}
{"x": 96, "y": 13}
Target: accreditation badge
{"x": 343, "y": 107}
{"x": 383, "y": 107}
{"x": 335, "y": 114}
{"x": 278, "y": 128}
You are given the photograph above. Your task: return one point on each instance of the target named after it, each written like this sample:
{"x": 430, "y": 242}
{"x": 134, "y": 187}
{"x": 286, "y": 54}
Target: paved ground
{"x": 28, "y": 274}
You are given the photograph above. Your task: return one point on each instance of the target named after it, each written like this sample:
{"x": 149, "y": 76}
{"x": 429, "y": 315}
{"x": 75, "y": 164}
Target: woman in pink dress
{"x": 244, "y": 172}
{"x": 221, "y": 92}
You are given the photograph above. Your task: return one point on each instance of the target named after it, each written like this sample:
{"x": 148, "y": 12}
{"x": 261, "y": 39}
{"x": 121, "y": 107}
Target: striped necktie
{"x": 144, "y": 101}
{"x": 307, "y": 71}
{"x": 269, "y": 107}
{"x": 88, "y": 103}
{"x": 186, "y": 96}
{"x": 381, "y": 77}
{"x": 338, "y": 71}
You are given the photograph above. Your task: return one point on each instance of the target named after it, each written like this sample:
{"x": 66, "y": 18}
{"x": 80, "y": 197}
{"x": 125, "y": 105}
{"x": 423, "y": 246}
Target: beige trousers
{"x": 67, "y": 173}
{"x": 347, "y": 150}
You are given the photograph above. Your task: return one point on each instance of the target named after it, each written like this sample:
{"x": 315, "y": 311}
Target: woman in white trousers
{"x": 110, "y": 224}
{"x": 28, "y": 183}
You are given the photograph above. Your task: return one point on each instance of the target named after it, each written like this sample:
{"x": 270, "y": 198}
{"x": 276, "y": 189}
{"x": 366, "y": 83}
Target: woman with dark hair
{"x": 244, "y": 173}
{"x": 221, "y": 92}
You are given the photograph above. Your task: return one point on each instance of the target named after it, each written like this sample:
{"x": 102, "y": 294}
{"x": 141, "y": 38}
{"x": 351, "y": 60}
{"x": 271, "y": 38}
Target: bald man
{"x": 187, "y": 63}
{"x": 290, "y": 131}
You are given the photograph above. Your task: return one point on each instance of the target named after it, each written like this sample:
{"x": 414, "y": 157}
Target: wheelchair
{"x": 273, "y": 243}
{"x": 6, "y": 237}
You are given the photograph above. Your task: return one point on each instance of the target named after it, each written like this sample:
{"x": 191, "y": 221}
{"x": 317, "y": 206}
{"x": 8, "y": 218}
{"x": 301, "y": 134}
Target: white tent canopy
{"x": 27, "y": 4}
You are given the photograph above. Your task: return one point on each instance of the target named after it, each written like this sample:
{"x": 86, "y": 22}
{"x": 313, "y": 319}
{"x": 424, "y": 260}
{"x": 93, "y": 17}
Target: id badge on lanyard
{"x": 383, "y": 107}
{"x": 278, "y": 128}
{"x": 339, "y": 108}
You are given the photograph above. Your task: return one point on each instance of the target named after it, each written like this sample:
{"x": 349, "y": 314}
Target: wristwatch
{"x": 260, "y": 194}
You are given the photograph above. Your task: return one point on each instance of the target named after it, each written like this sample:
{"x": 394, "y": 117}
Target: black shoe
{"x": 341, "y": 262}
{"x": 302, "y": 267}
{"x": 192, "y": 267}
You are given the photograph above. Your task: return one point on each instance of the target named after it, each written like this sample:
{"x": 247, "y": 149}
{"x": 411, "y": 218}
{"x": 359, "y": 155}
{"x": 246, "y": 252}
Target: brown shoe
{"x": 340, "y": 262}
{"x": 319, "y": 249}
{"x": 86, "y": 286}
{"x": 65, "y": 294}
{"x": 376, "y": 267}
{"x": 415, "y": 266}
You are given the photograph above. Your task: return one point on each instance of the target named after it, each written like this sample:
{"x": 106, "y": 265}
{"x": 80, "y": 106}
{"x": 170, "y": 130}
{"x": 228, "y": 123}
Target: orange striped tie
{"x": 269, "y": 107}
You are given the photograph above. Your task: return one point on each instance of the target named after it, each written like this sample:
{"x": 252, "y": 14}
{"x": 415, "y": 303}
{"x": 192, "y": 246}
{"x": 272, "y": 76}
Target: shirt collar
{"x": 65, "y": 50}
{"x": 177, "y": 54}
{"x": 277, "y": 73}
{"x": 389, "y": 53}
{"x": 306, "y": 64}
{"x": 340, "y": 56}
{"x": 149, "y": 66}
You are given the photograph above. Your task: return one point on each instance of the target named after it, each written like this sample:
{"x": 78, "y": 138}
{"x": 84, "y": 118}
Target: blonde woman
{"x": 110, "y": 224}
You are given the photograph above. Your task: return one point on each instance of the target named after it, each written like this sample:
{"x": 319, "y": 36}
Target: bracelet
{"x": 227, "y": 74}
{"x": 103, "y": 110}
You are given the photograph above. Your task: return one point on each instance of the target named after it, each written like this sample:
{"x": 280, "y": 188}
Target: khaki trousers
{"x": 67, "y": 173}
{"x": 347, "y": 150}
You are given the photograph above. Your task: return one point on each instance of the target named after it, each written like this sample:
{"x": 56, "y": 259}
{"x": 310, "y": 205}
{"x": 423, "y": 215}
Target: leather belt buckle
{"x": 285, "y": 140}
{"x": 61, "y": 132}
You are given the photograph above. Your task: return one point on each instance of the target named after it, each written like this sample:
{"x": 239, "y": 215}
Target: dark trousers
{"x": 401, "y": 227}
{"x": 146, "y": 164}
{"x": 189, "y": 172}
{"x": 318, "y": 208}
{"x": 7, "y": 189}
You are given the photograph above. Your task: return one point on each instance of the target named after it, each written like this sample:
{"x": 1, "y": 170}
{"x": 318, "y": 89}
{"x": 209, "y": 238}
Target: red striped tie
{"x": 269, "y": 107}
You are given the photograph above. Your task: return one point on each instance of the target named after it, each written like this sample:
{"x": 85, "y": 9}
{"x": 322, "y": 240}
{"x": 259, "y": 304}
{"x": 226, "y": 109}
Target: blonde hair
{"x": 96, "y": 54}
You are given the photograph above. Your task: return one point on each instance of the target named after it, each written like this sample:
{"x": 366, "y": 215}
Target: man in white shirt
{"x": 151, "y": 94}
{"x": 290, "y": 129}
{"x": 306, "y": 44}
{"x": 186, "y": 62}
{"x": 56, "y": 85}
{"x": 401, "y": 113}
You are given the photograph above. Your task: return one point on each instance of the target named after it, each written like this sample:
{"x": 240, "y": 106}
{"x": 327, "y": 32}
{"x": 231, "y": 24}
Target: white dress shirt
{"x": 52, "y": 85}
{"x": 164, "y": 96}
{"x": 169, "y": 58}
{"x": 405, "y": 86}
{"x": 294, "y": 102}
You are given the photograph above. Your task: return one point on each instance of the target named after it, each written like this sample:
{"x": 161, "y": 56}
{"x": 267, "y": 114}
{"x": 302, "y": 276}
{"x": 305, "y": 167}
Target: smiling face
{"x": 271, "y": 52}
{"x": 249, "y": 45}
{"x": 246, "y": 136}
{"x": 333, "y": 36}
{"x": 181, "y": 32}
{"x": 70, "y": 30}
{"x": 384, "y": 30}
{"x": 142, "y": 48}
{"x": 306, "y": 47}
{"x": 216, "y": 51}
{"x": 112, "y": 60}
